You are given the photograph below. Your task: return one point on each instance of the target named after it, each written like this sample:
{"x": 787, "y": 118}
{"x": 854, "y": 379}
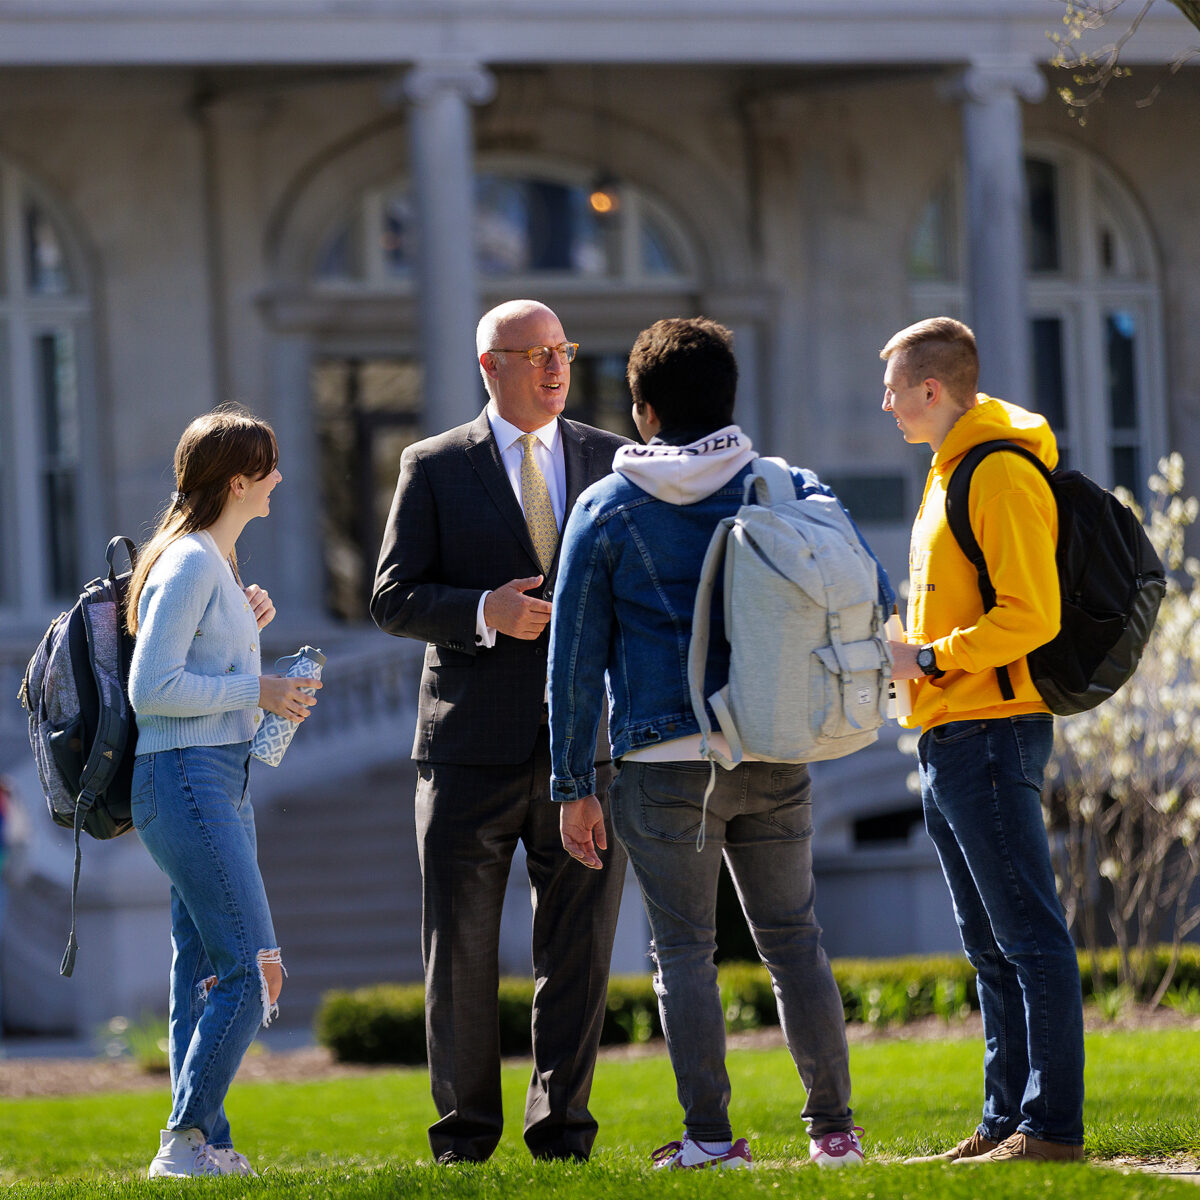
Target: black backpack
{"x": 81, "y": 726}
{"x": 1111, "y": 580}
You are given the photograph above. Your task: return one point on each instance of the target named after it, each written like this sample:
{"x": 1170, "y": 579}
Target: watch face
{"x": 925, "y": 659}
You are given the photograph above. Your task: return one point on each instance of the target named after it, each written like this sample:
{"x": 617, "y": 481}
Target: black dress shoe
{"x": 548, "y": 1155}
{"x": 449, "y": 1158}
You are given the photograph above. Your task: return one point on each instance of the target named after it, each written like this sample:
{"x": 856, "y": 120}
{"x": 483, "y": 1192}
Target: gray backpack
{"x": 809, "y": 661}
{"x": 81, "y": 726}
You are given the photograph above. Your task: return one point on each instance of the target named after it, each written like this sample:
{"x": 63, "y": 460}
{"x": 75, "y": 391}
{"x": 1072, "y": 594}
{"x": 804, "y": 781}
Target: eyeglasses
{"x": 540, "y": 355}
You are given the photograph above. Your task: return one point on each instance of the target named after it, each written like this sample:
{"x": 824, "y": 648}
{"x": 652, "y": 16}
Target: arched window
{"x": 527, "y": 226}
{"x": 45, "y": 397}
{"x": 537, "y": 231}
{"x": 1095, "y": 320}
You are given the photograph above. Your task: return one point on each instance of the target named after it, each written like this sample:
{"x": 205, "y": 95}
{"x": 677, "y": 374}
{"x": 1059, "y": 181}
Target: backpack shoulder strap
{"x": 112, "y": 730}
{"x": 714, "y": 558}
{"x": 769, "y": 482}
{"x": 958, "y": 491}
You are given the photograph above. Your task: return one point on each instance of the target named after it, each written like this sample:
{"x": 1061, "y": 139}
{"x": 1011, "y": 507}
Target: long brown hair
{"x": 213, "y": 449}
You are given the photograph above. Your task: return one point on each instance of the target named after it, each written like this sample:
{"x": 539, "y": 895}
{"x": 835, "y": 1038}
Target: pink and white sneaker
{"x": 841, "y": 1149}
{"x": 687, "y": 1155}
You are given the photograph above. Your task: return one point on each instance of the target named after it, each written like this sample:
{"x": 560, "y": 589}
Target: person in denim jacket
{"x": 631, "y": 559}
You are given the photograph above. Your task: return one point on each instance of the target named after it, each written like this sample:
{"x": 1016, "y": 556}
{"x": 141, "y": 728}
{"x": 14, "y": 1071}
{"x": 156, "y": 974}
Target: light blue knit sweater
{"x": 196, "y": 661}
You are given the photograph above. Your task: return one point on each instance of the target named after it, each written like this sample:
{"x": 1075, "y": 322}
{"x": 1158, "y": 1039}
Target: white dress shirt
{"x": 548, "y": 451}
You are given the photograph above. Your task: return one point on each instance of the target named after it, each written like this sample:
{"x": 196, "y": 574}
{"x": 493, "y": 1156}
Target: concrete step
{"x": 343, "y": 878}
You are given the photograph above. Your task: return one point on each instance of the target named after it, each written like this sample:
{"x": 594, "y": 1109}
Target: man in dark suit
{"x": 468, "y": 565}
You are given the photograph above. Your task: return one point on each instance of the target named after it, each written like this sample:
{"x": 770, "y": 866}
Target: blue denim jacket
{"x": 623, "y": 604}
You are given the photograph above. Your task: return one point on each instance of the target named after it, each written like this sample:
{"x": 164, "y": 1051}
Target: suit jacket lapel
{"x": 577, "y": 456}
{"x": 484, "y": 456}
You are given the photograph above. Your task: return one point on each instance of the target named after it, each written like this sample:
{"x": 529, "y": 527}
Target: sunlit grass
{"x": 365, "y": 1135}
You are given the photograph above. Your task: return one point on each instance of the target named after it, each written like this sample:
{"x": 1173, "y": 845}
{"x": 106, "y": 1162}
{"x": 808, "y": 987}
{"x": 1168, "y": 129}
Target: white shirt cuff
{"x": 485, "y": 635}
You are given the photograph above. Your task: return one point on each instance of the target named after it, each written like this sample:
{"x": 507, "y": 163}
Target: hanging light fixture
{"x": 604, "y": 195}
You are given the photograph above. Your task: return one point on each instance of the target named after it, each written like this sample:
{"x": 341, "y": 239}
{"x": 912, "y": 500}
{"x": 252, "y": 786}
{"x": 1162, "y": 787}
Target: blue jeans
{"x": 981, "y": 785}
{"x": 760, "y": 817}
{"x": 192, "y": 811}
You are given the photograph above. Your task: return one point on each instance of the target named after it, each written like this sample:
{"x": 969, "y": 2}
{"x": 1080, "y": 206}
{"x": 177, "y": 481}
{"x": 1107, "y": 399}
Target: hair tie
{"x": 178, "y": 497}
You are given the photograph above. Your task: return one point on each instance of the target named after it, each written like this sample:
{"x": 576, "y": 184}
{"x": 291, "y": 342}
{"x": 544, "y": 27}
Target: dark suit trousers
{"x": 468, "y": 821}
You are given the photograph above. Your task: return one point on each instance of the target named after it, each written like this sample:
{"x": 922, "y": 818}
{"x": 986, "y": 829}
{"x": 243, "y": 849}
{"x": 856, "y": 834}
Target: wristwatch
{"x": 927, "y": 661}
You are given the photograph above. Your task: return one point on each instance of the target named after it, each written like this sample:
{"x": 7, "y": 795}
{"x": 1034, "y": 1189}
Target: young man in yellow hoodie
{"x": 982, "y": 757}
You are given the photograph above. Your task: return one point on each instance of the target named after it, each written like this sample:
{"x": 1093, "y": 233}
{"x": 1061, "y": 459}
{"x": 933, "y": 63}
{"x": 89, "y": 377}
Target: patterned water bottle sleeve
{"x": 275, "y": 733}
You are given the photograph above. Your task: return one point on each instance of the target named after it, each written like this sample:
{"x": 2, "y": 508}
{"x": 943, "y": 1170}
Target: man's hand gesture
{"x": 509, "y": 610}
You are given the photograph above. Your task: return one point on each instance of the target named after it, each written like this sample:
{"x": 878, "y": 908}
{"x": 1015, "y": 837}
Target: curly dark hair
{"x": 683, "y": 367}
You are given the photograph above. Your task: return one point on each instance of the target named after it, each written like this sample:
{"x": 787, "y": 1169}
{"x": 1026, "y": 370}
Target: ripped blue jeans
{"x": 192, "y": 812}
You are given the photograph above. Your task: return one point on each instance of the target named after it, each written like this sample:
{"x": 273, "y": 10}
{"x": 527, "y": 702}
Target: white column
{"x": 290, "y": 541}
{"x": 440, "y": 94}
{"x": 991, "y": 90}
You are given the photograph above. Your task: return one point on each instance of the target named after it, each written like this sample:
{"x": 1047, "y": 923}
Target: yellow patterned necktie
{"x": 535, "y": 498}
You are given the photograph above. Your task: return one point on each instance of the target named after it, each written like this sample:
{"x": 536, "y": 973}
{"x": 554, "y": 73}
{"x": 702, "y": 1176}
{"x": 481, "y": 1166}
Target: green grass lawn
{"x": 365, "y": 1136}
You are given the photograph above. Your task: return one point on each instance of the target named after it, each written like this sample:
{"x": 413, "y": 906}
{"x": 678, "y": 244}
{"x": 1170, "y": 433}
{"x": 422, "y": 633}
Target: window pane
{"x": 501, "y": 227}
{"x": 1042, "y": 181}
{"x": 399, "y": 250}
{"x": 1120, "y": 332}
{"x": 1049, "y": 385}
{"x": 523, "y": 225}
{"x": 62, "y": 524}
{"x": 340, "y": 257}
{"x": 367, "y": 411}
{"x": 1125, "y": 470}
{"x": 658, "y": 255}
{"x": 1107, "y": 249}
{"x": 1116, "y": 251}
{"x": 600, "y": 393}
{"x": 54, "y": 359}
{"x": 535, "y": 225}
{"x": 929, "y": 251}
{"x": 871, "y": 499}
{"x": 46, "y": 265}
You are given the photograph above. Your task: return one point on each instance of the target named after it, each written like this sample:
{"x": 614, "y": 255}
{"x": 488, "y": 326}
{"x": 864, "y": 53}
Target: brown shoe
{"x": 1029, "y": 1149}
{"x": 971, "y": 1147}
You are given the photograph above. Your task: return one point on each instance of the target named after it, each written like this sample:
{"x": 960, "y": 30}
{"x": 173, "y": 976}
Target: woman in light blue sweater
{"x": 196, "y": 689}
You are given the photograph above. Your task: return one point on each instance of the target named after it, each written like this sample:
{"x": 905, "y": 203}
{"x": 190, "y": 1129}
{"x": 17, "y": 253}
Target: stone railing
{"x": 369, "y": 681}
{"x": 364, "y": 682}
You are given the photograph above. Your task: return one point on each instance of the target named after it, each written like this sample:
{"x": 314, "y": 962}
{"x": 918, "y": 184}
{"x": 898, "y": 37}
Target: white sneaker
{"x": 676, "y": 1156}
{"x": 837, "y": 1149}
{"x": 230, "y": 1161}
{"x": 183, "y": 1152}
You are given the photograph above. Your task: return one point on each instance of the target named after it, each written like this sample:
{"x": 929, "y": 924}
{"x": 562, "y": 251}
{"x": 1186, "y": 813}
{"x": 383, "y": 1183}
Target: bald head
{"x": 494, "y": 323}
{"x": 526, "y": 394}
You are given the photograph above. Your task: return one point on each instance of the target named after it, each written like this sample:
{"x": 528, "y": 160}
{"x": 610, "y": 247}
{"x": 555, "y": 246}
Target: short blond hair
{"x": 940, "y": 348}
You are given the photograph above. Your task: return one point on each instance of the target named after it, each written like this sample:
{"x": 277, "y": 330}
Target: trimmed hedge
{"x": 386, "y": 1023}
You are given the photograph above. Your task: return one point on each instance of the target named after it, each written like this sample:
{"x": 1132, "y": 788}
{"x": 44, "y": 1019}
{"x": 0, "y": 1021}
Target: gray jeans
{"x": 760, "y": 817}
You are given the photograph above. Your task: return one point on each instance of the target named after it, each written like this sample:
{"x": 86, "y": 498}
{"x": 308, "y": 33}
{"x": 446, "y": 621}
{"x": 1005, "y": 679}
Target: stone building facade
{"x": 305, "y": 206}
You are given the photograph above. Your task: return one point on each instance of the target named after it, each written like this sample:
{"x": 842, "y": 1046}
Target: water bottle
{"x": 275, "y": 733}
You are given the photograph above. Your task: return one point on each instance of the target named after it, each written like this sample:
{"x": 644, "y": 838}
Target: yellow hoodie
{"x": 1014, "y": 518}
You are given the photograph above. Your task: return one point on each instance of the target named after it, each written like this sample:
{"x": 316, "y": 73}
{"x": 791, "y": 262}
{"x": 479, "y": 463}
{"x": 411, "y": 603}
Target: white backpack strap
{"x": 729, "y": 729}
{"x": 698, "y": 646}
{"x": 769, "y": 482}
